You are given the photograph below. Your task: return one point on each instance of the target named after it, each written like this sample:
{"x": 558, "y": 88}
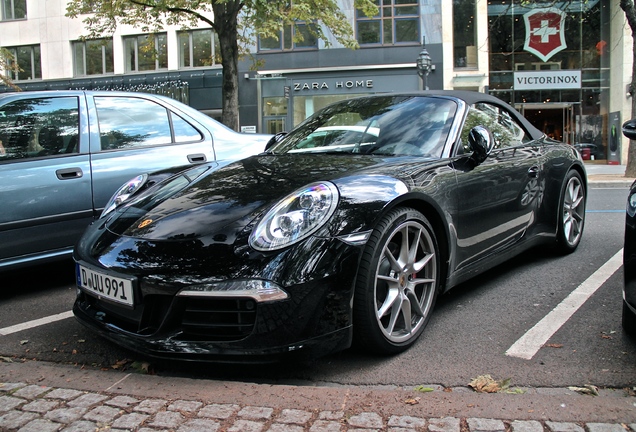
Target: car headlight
{"x": 631, "y": 203}
{"x": 127, "y": 190}
{"x": 295, "y": 217}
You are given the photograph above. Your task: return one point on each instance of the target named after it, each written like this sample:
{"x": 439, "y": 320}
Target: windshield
{"x": 380, "y": 125}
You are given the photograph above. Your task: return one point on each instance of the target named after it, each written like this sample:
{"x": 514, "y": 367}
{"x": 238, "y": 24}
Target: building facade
{"x": 565, "y": 65}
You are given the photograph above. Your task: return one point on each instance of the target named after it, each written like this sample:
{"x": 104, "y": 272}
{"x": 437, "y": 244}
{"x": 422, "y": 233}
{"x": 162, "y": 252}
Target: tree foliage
{"x": 8, "y": 63}
{"x": 236, "y": 22}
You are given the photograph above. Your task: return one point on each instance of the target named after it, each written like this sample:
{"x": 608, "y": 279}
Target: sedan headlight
{"x": 631, "y": 203}
{"x": 295, "y": 217}
{"x": 127, "y": 190}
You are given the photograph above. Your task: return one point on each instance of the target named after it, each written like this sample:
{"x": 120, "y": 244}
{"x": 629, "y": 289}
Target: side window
{"x": 131, "y": 122}
{"x": 39, "y": 127}
{"x": 506, "y": 131}
{"x": 184, "y": 131}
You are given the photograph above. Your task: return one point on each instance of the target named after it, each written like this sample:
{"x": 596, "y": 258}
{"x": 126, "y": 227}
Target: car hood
{"x": 227, "y": 199}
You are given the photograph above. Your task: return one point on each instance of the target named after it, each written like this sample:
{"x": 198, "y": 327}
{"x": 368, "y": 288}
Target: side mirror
{"x": 629, "y": 129}
{"x": 481, "y": 142}
{"x": 273, "y": 140}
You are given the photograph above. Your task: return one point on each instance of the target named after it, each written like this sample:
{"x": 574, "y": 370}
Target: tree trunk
{"x": 225, "y": 18}
{"x": 630, "y": 14}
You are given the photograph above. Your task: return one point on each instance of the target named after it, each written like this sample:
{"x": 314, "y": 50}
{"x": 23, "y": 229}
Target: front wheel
{"x": 571, "y": 213}
{"x": 397, "y": 283}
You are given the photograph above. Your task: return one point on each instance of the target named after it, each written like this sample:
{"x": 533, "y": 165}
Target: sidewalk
{"x": 44, "y": 397}
{"x": 604, "y": 176}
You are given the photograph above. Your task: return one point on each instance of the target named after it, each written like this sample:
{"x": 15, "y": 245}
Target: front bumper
{"x": 315, "y": 318}
{"x": 179, "y": 345}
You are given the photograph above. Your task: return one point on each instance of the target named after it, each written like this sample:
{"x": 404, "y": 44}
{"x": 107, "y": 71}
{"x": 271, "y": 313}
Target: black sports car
{"x": 629, "y": 249}
{"x": 344, "y": 230}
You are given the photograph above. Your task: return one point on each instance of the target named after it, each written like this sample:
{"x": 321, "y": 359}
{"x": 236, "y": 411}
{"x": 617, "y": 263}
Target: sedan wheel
{"x": 571, "y": 213}
{"x": 397, "y": 283}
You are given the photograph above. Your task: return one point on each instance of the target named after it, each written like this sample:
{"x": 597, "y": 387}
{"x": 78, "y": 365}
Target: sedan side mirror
{"x": 629, "y": 129}
{"x": 273, "y": 140}
{"x": 481, "y": 142}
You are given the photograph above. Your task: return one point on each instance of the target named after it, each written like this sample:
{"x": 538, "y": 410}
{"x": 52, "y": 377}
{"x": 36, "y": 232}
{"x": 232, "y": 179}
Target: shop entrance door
{"x": 275, "y": 124}
{"x": 556, "y": 120}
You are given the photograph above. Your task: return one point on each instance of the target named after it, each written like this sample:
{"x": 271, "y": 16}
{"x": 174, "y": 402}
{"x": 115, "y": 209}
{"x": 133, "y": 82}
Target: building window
{"x": 397, "y": 22}
{"x": 146, "y": 52}
{"x": 465, "y": 33}
{"x": 13, "y": 9}
{"x": 29, "y": 63}
{"x": 290, "y": 39}
{"x": 94, "y": 57}
{"x": 198, "y": 48}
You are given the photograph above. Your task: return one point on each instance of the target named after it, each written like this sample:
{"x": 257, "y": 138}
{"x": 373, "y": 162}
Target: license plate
{"x": 105, "y": 286}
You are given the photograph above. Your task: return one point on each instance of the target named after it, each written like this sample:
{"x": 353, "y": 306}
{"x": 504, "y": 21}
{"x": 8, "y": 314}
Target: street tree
{"x": 8, "y": 63}
{"x": 237, "y": 24}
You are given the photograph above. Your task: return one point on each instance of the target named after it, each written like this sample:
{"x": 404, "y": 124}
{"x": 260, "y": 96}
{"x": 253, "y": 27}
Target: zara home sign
{"x": 546, "y": 80}
{"x": 348, "y": 84}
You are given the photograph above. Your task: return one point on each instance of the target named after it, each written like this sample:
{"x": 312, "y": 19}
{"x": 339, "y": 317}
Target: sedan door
{"x": 45, "y": 188}
{"x": 497, "y": 199}
{"x": 136, "y": 134}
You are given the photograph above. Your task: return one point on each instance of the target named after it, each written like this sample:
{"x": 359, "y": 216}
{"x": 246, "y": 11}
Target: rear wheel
{"x": 397, "y": 283}
{"x": 571, "y": 213}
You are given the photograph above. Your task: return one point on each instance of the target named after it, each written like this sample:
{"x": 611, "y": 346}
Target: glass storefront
{"x": 288, "y": 100}
{"x": 552, "y": 63}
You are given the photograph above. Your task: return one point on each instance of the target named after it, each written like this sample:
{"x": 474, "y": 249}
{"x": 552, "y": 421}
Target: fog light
{"x": 257, "y": 289}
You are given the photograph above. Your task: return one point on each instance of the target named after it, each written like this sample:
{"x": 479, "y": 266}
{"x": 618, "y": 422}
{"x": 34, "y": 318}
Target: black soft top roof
{"x": 473, "y": 97}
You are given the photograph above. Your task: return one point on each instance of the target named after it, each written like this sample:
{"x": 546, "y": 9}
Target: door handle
{"x": 533, "y": 172}
{"x": 197, "y": 158}
{"x": 69, "y": 173}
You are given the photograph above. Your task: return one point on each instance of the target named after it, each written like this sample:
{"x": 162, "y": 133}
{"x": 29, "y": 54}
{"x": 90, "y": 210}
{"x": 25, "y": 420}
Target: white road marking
{"x": 530, "y": 343}
{"x": 35, "y": 323}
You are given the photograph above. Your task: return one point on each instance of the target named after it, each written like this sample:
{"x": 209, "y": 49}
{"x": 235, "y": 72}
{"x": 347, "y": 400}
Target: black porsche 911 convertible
{"x": 344, "y": 231}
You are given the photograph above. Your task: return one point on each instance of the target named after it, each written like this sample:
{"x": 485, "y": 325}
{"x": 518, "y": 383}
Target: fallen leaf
{"x": 6, "y": 360}
{"x": 412, "y": 401}
{"x": 587, "y": 389}
{"x": 554, "y": 345}
{"x": 485, "y": 384}
{"x": 120, "y": 363}
{"x": 423, "y": 389}
{"x": 143, "y": 367}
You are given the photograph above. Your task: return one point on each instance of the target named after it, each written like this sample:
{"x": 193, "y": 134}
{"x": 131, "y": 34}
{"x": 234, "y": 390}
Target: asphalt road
{"x": 471, "y": 333}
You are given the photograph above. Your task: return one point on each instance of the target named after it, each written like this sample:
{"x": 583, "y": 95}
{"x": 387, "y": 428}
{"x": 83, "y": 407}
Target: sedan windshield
{"x": 383, "y": 125}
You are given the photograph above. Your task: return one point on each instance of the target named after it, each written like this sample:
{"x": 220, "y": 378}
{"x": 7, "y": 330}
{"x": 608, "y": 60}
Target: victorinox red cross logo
{"x": 544, "y": 32}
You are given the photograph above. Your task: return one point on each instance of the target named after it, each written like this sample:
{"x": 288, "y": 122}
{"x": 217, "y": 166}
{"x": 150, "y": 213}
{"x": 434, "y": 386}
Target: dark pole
{"x": 424, "y": 64}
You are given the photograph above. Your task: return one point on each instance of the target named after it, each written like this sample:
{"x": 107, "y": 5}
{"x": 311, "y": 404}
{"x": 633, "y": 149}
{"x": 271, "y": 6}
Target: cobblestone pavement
{"x": 44, "y": 397}
{"x": 38, "y": 408}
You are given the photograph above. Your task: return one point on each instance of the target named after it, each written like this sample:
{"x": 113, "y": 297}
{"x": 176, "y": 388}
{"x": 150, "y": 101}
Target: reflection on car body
{"x": 64, "y": 153}
{"x": 629, "y": 249}
{"x": 306, "y": 251}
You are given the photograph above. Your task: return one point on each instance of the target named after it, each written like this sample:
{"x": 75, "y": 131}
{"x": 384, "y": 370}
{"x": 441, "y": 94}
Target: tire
{"x": 397, "y": 284}
{"x": 571, "y": 218}
{"x": 628, "y": 320}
